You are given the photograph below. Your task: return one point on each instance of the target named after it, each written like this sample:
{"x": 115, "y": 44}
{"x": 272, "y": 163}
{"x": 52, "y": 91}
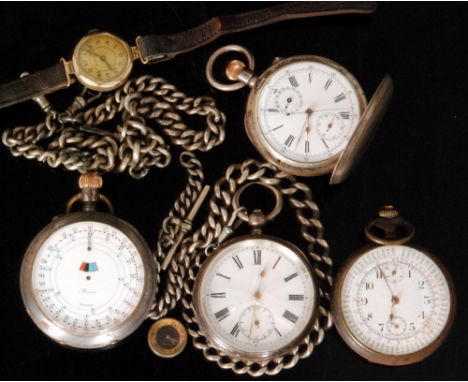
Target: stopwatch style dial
{"x": 291, "y": 109}
{"x": 102, "y": 61}
{"x": 87, "y": 279}
{"x": 393, "y": 304}
{"x": 255, "y": 298}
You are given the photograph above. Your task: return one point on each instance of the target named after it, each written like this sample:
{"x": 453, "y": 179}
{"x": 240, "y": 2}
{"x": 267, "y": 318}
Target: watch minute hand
{"x": 320, "y": 110}
{"x": 386, "y": 280}
{"x": 102, "y": 58}
{"x": 306, "y": 127}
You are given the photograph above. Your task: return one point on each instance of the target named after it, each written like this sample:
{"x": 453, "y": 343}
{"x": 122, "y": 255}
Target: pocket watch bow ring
{"x": 102, "y": 61}
{"x": 306, "y": 114}
{"x": 256, "y": 303}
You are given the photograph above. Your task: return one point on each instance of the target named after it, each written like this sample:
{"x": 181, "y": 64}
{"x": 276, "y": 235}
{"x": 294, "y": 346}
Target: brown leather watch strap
{"x": 34, "y": 85}
{"x": 154, "y": 48}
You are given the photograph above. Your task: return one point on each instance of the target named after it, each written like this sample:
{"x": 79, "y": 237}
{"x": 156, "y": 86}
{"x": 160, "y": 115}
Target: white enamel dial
{"x": 308, "y": 110}
{"x": 395, "y": 300}
{"x": 256, "y": 297}
{"x": 88, "y": 277}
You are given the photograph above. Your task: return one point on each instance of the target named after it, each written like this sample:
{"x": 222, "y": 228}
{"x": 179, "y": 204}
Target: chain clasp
{"x": 185, "y": 226}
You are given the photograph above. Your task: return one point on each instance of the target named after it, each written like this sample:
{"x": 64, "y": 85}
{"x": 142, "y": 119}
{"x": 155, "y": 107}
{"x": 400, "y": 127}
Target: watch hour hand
{"x": 330, "y": 124}
{"x": 107, "y": 63}
{"x": 101, "y": 57}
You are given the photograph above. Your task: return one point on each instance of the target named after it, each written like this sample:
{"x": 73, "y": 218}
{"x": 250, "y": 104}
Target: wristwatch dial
{"x": 102, "y": 61}
{"x": 393, "y": 304}
{"x": 255, "y": 297}
{"x": 303, "y": 112}
{"x": 87, "y": 280}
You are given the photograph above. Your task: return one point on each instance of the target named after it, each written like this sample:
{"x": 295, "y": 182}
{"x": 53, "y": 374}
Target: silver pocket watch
{"x": 256, "y": 303}
{"x": 306, "y": 114}
{"x": 256, "y": 296}
{"x": 88, "y": 279}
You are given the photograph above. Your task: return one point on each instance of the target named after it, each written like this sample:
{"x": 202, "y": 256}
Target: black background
{"x": 416, "y": 161}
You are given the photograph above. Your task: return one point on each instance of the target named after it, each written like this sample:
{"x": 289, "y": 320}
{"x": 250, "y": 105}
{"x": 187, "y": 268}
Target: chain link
{"x": 79, "y": 140}
{"x": 195, "y": 250}
{"x": 176, "y": 273}
{"x": 75, "y": 140}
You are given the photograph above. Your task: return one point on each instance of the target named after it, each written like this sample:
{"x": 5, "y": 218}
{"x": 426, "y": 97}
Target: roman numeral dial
{"x": 257, "y": 255}
{"x": 317, "y": 106}
{"x": 340, "y": 97}
{"x": 289, "y": 140}
{"x": 290, "y": 316}
{"x": 235, "y": 330}
{"x": 296, "y": 297}
{"x": 255, "y": 294}
{"x": 222, "y": 314}
{"x": 238, "y": 262}
{"x": 293, "y": 81}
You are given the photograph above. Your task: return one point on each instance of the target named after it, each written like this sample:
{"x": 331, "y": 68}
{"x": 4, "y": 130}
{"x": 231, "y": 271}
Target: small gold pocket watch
{"x": 306, "y": 114}
{"x": 393, "y": 303}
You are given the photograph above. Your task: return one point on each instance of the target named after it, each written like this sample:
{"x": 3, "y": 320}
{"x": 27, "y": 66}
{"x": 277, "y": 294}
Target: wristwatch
{"x": 102, "y": 61}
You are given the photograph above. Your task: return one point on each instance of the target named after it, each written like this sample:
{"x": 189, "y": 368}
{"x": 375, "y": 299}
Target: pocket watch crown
{"x": 233, "y": 69}
{"x": 388, "y": 212}
{"x": 90, "y": 180}
{"x": 257, "y": 219}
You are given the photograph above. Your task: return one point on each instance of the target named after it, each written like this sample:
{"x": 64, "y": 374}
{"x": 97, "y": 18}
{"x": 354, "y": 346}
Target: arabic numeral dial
{"x": 395, "y": 300}
{"x": 87, "y": 277}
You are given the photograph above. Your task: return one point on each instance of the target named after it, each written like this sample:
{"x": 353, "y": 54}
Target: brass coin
{"x": 167, "y": 338}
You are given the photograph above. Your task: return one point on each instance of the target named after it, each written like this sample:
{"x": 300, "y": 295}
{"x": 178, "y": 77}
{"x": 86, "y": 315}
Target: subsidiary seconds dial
{"x": 255, "y": 297}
